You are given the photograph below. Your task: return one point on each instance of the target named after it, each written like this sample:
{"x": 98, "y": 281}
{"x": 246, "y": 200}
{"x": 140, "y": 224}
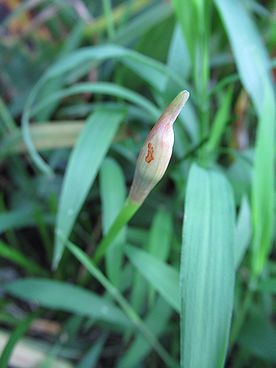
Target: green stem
{"x": 127, "y": 212}
{"x": 126, "y": 307}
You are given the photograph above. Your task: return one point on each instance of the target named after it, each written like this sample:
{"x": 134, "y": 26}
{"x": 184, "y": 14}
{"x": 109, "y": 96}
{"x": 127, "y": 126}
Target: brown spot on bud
{"x": 149, "y": 156}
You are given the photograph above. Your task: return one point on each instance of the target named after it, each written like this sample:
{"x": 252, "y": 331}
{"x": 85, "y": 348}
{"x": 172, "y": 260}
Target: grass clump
{"x": 182, "y": 271}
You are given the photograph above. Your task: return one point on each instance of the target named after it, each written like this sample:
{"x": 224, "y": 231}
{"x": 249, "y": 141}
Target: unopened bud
{"x": 156, "y": 152}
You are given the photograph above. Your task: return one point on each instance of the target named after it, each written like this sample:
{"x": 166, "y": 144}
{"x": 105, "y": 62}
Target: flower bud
{"x": 156, "y": 152}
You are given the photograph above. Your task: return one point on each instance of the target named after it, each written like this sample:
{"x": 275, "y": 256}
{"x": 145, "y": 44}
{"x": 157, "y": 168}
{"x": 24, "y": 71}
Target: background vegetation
{"x": 82, "y": 82}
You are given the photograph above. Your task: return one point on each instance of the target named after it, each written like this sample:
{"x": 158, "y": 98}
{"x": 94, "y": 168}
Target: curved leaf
{"x": 83, "y": 165}
{"x": 69, "y": 298}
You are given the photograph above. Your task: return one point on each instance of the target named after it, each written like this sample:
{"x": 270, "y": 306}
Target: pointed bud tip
{"x": 182, "y": 97}
{"x": 175, "y": 107}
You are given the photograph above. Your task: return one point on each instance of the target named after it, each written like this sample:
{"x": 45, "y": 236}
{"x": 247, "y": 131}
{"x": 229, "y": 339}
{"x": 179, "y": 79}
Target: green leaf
{"x": 179, "y": 58}
{"x": 220, "y": 121}
{"x": 156, "y": 320}
{"x": 242, "y": 32}
{"x": 114, "y": 292}
{"x": 113, "y": 194}
{"x": 152, "y": 71}
{"x": 253, "y": 65}
{"x": 145, "y": 23}
{"x": 162, "y": 277}
{"x": 13, "y": 255}
{"x": 207, "y": 269}
{"x": 81, "y": 171}
{"x": 102, "y": 88}
{"x": 15, "y": 336}
{"x": 155, "y": 73}
{"x": 242, "y": 232}
{"x": 92, "y": 356}
{"x": 16, "y": 219}
{"x": 71, "y": 43}
{"x": 45, "y": 136}
{"x": 62, "y": 296}
{"x": 160, "y": 235}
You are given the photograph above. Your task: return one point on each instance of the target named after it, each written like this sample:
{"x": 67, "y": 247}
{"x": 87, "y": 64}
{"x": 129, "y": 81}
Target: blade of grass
{"x": 18, "y": 258}
{"x": 162, "y": 277}
{"x": 153, "y": 72}
{"x": 72, "y": 42}
{"x": 57, "y": 134}
{"x": 135, "y": 29}
{"x": 178, "y": 57}
{"x": 243, "y": 231}
{"x": 19, "y": 218}
{"x": 63, "y": 296}
{"x": 156, "y": 320}
{"x": 113, "y": 194}
{"x": 196, "y": 34}
{"x": 91, "y": 358}
{"x": 113, "y": 291}
{"x": 207, "y": 269}
{"x": 102, "y": 88}
{"x": 16, "y": 335}
{"x": 81, "y": 171}
{"x": 253, "y": 65}
{"x": 220, "y": 121}
{"x": 150, "y": 70}
{"x": 160, "y": 237}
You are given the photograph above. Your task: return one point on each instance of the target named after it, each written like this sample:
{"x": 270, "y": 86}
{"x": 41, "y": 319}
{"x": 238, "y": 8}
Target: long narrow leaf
{"x": 66, "y": 297}
{"x": 113, "y": 193}
{"x": 102, "y": 88}
{"x": 15, "y": 256}
{"x": 253, "y": 65}
{"x": 155, "y": 73}
{"x": 137, "y": 321}
{"x": 207, "y": 269}
{"x": 243, "y": 231}
{"x": 82, "y": 169}
{"x": 156, "y": 320}
{"x": 162, "y": 277}
{"x": 14, "y": 338}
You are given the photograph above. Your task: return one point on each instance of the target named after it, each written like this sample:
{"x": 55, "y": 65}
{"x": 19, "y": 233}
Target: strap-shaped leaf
{"x": 162, "y": 277}
{"x": 82, "y": 169}
{"x": 69, "y": 298}
{"x": 207, "y": 269}
{"x": 253, "y": 64}
{"x": 113, "y": 193}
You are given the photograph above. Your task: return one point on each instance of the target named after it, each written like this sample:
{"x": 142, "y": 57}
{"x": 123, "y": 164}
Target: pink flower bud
{"x": 156, "y": 152}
